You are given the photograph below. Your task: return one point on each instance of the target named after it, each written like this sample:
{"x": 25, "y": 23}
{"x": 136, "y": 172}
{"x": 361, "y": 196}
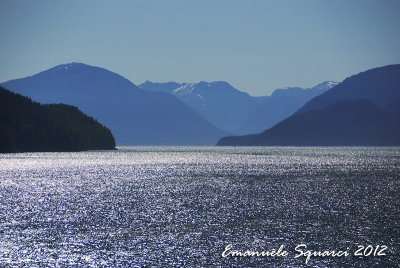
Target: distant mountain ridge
{"x": 166, "y": 87}
{"x": 280, "y": 105}
{"x": 316, "y": 90}
{"x": 234, "y": 110}
{"x": 135, "y": 116}
{"x": 362, "y": 110}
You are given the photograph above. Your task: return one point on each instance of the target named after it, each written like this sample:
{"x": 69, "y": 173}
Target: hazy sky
{"x": 256, "y": 46}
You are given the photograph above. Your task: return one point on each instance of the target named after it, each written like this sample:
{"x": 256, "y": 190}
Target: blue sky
{"x": 257, "y": 46}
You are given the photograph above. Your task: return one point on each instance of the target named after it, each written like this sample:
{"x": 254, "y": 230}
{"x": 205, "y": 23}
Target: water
{"x": 181, "y": 206}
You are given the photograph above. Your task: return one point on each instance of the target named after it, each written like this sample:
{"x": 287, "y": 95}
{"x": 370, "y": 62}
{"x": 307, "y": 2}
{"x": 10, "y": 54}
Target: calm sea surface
{"x": 182, "y": 206}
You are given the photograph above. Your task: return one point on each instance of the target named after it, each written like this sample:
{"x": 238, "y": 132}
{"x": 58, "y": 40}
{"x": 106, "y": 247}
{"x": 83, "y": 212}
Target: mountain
{"x": 135, "y": 116}
{"x": 234, "y": 110}
{"x": 379, "y": 85}
{"x": 27, "y": 126}
{"x": 362, "y": 110}
{"x": 281, "y": 104}
{"x": 393, "y": 108}
{"x": 218, "y": 102}
{"x": 344, "y": 123}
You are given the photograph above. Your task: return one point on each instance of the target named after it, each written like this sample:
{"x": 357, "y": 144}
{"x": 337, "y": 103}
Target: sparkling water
{"x": 182, "y": 206}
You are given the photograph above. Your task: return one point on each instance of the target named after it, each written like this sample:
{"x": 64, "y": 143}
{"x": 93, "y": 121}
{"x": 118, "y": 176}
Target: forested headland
{"x": 27, "y": 126}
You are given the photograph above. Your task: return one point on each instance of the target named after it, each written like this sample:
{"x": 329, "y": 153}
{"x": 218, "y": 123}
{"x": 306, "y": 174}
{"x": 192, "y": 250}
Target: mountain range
{"x": 236, "y": 111}
{"x": 161, "y": 113}
{"x": 135, "y": 116}
{"x": 217, "y": 102}
{"x": 362, "y": 110}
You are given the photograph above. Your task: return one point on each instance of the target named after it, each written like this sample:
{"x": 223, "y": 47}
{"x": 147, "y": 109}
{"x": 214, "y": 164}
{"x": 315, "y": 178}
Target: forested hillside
{"x": 27, "y": 126}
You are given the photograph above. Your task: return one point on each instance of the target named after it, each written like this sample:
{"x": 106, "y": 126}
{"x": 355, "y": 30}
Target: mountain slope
{"x": 27, "y": 126}
{"x": 393, "y": 108}
{"x": 136, "y": 117}
{"x": 280, "y": 105}
{"x": 344, "y": 123}
{"x": 362, "y": 110}
{"x": 379, "y": 85}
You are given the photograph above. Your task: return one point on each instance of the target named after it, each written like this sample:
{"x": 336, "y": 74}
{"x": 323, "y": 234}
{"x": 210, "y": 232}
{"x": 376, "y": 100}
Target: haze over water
{"x": 181, "y": 206}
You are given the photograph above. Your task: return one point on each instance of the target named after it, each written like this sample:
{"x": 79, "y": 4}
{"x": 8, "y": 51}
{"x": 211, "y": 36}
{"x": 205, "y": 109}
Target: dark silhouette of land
{"x": 27, "y": 126}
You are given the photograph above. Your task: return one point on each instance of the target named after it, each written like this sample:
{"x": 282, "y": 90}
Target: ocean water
{"x": 182, "y": 206}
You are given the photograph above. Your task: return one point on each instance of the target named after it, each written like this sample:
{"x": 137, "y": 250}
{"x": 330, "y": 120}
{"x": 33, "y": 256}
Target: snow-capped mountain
{"x": 218, "y": 102}
{"x": 234, "y": 110}
{"x": 166, "y": 87}
{"x": 325, "y": 85}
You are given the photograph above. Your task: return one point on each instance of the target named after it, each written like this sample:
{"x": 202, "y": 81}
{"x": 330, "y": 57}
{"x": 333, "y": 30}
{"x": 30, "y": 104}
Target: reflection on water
{"x": 181, "y": 206}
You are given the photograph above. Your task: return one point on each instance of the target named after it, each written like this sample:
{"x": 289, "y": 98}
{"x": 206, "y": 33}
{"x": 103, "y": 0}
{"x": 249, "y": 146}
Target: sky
{"x": 257, "y": 46}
